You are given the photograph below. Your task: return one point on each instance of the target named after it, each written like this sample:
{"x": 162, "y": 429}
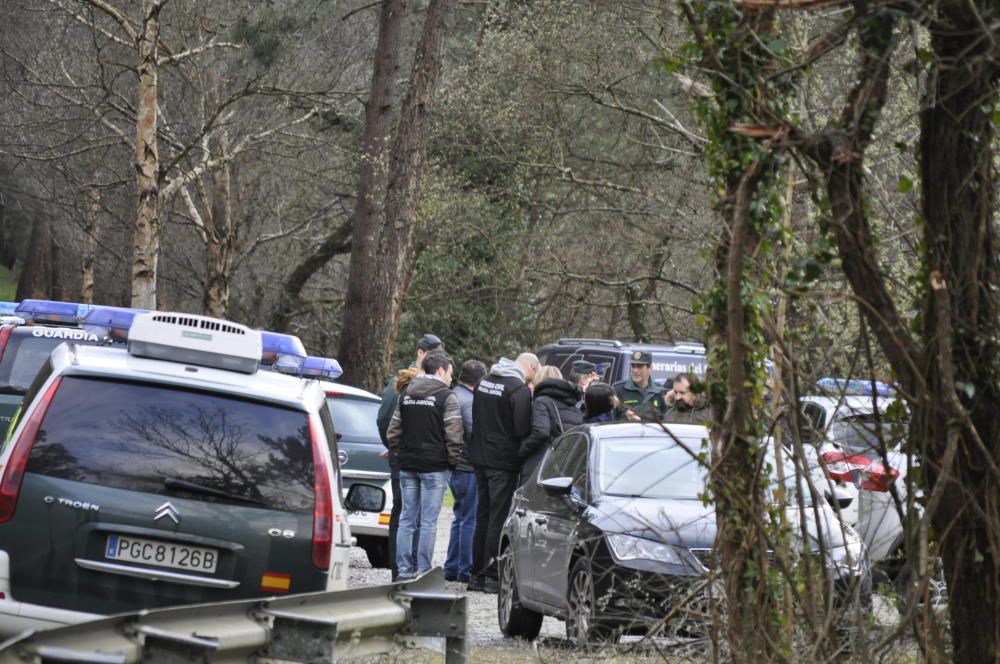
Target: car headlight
{"x": 627, "y": 547}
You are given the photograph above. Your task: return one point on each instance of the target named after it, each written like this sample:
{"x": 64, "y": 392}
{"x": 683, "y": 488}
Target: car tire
{"x": 583, "y": 625}
{"x": 376, "y": 550}
{"x": 937, "y": 590}
{"x": 515, "y": 620}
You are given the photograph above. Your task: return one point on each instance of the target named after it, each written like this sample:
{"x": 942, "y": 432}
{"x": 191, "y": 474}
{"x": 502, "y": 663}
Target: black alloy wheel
{"x": 515, "y": 620}
{"x": 583, "y": 627}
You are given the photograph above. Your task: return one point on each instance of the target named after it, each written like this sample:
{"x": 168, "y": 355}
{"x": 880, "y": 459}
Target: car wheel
{"x": 937, "y": 590}
{"x": 377, "y": 551}
{"x": 514, "y": 619}
{"x": 583, "y": 627}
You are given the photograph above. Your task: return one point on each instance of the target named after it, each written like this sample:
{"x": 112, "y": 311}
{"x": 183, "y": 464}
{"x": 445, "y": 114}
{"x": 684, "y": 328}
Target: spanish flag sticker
{"x": 272, "y": 582}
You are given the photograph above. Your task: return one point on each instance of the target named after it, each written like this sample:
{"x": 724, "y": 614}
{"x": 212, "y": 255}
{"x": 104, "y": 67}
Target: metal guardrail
{"x": 315, "y": 627}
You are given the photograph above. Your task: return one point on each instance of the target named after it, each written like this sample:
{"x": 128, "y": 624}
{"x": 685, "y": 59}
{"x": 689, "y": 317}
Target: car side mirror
{"x": 365, "y": 498}
{"x": 557, "y": 486}
{"x": 838, "y": 498}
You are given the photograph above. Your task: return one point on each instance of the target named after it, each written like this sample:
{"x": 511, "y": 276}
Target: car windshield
{"x": 862, "y": 433}
{"x": 158, "y": 439}
{"x": 650, "y": 467}
{"x": 354, "y": 419}
{"x": 22, "y": 358}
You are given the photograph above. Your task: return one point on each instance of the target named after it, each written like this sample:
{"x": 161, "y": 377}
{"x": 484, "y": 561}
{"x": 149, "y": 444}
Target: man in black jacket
{"x": 426, "y": 344}
{"x": 425, "y": 434}
{"x": 501, "y": 416}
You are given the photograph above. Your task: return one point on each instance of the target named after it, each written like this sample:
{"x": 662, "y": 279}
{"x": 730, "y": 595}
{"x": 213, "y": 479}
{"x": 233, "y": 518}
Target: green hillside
{"x": 8, "y": 284}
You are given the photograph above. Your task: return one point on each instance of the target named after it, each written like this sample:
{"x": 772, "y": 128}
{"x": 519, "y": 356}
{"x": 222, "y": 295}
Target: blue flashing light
{"x": 283, "y": 352}
{"x": 111, "y": 323}
{"x": 854, "y": 387}
{"x": 52, "y": 312}
{"x": 315, "y": 367}
{"x": 8, "y": 308}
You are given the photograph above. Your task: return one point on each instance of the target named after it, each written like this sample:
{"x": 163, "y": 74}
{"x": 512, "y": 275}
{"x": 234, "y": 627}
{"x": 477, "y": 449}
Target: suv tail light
{"x": 13, "y": 474}
{"x": 871, "y": 475}
{"x": 5, "y": 333}
{"x": 323, "y": 510}
{"x": 877, "y": 477}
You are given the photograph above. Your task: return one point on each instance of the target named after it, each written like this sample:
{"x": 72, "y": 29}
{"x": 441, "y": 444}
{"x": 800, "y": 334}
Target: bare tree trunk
{"x": 382, "y": 248}
{"x": 8, "y": 253}
{"x": 961, "y": 324}
{"x": 336, "y": 243}
{"x": 31, "y": 283}
{"x": 146, "y": 238}
{"x": 363, "y": 366}
{"x": 90, "y": 203}
{"x": 220, "y": 236}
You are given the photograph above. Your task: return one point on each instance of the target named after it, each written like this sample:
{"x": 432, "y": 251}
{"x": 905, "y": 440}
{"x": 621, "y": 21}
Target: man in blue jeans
{"x": 458, "y": 565}
{"x": 427, "y": 343}
{"x": 425, "y": 434}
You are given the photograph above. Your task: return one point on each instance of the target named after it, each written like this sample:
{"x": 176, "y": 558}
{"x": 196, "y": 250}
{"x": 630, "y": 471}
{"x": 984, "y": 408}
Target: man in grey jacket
{"x": 458, "y": 566}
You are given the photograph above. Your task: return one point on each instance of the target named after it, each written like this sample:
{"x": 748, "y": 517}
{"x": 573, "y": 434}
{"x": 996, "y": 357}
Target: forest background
{"x": 810, "y": 179}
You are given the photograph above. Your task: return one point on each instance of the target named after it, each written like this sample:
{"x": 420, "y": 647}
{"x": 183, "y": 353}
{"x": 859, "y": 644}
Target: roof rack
{"x": 593, "y": 342}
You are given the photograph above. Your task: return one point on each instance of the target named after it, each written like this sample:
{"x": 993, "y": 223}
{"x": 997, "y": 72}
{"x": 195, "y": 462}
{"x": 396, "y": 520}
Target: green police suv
{"x": 173, "y": 472}
{"x": 26, "y": 339}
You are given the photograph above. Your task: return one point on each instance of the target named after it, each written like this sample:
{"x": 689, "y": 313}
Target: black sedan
{"x": 612, "y": 534}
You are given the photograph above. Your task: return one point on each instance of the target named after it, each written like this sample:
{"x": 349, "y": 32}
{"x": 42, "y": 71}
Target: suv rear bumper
{"x": 17, "y": 617}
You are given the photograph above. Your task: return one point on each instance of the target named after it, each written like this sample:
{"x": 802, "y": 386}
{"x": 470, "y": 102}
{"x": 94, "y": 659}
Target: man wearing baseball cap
{"x": 639, "y": 393}
{"x": 582, "y": 373}
{"x": 426, "y": 344}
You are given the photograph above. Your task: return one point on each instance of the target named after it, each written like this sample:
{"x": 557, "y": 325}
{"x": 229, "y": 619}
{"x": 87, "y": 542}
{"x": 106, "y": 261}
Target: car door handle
{"x": 541, "y": 520}
{"x": 520, "y": 512}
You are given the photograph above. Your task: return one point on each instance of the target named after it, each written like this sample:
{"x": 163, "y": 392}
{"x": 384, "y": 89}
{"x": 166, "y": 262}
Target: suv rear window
{"x": 22, "y": 358}
{"x": 137, "y": 435}
{"x": 354, "y": 419}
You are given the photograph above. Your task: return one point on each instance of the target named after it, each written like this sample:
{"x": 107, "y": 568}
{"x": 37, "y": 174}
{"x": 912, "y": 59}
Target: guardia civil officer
{"x": 638, "y": 393}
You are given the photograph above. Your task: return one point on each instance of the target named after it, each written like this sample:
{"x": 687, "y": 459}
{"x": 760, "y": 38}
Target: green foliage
{"x": 465, "y": 272}
{"x": 8, "y": 284}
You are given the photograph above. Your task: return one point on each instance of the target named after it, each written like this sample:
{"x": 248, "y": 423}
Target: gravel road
{"x": 482, "y": 623}
{"x": 488, "y": 644}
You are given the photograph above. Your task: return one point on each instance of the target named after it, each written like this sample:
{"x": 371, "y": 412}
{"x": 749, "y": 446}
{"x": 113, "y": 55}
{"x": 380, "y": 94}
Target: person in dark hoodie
{"x": 501, "y": 417}
{"x": 425, "y": 433}
{"x": 553, "y": 411}
{"x": 458, "y": 565}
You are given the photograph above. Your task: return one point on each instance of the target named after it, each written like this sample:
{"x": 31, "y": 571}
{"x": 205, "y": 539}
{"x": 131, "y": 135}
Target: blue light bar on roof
{"x": 111, "y": 323}
{"x": 316, "y": 367}
{"x": 52, "y": 312}
{"x": 322, "y": 367}
{"x": 854, "y": 387}
{"x": 8, "y": 308}
{"x": 284, "y": 352}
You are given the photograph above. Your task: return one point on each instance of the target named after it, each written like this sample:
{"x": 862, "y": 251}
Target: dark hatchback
{"x": 612, "y": 536}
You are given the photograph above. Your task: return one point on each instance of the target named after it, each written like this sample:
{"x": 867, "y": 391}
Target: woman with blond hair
{"x": 553, "y": 411}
